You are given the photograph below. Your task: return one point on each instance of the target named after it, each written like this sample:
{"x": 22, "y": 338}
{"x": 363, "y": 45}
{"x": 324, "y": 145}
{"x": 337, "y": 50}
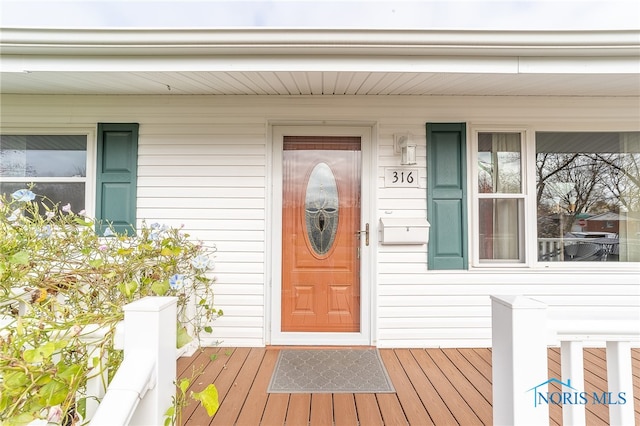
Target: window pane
{"x": 43, "y": 156}
{"x": 62, "y": 193}
{"x": 499, "y": 158}
{"x": 588, "y": 196}
{"x": 499, "y": 225}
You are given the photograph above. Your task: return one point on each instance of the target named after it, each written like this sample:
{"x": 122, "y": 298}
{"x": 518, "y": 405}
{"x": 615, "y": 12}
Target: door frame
{"x": 274, "y": 335}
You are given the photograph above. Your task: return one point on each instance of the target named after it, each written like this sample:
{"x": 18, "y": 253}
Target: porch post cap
{"x": 150, "y": 304}
{"x": 518, "y": 301}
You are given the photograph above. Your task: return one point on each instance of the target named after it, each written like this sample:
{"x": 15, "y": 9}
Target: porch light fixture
{"x": 404, "y": 145}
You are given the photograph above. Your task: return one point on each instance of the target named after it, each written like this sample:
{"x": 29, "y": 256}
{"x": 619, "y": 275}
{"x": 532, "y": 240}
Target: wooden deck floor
{"x": 433, "y": 387}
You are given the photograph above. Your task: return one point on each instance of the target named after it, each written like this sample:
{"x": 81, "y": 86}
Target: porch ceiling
{"x": 320, "y": 62}
{"x": 318, "y": 83}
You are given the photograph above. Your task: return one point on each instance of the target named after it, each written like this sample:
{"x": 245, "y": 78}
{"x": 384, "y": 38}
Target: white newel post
{"x": 620, "y": 379}
{"x": 153, "y": 330}
{"x": 148, "y": 371}
{"x": 519, "y": 359}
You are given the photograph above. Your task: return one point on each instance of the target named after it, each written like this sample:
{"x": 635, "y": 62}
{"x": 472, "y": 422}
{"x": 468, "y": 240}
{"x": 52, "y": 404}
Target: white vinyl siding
{"x": 205, "y": 163}
{"x": 209, "y": 178}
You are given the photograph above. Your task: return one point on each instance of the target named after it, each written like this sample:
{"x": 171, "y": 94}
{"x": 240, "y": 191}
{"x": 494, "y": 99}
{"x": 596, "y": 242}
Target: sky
{"x": 398, "y": 14}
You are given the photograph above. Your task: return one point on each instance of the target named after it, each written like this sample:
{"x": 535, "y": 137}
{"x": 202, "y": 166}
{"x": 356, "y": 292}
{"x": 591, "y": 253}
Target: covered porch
{"x": 433, "y": 386}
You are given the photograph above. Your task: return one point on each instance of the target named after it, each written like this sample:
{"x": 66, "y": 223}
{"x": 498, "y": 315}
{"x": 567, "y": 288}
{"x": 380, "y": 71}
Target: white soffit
{"x": 319, "y": 83}
{"x": 303, "y": 62}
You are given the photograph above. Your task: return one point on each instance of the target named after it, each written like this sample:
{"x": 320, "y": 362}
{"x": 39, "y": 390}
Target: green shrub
{"x": 67, "y": 279}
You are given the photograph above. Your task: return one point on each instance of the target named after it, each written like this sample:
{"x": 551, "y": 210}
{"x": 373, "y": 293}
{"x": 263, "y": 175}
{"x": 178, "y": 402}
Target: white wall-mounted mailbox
{"x": 404, "y": 231}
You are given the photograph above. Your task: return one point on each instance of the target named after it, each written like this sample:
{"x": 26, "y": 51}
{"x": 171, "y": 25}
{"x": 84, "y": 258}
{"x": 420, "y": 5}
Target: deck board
{"x": 299, "y": 408}
{"x": 482, "y": 353}
{"x": 237, "y": 394}
{"x": 256, "y": 398}
{"x": 480, "y": 382}
{"x": 470, "y": 394}
{"x": 463, "y": 414}
{"x": 321, "y": 409}
{"x": 433, "y": 386}
{"x": 391, "y": 409}
{"x": 368, "y": 409}
{"x": 477, "y": 360}
{"x": 415, "y": 411}
{"x": 230, "y": 368}
{"x": 275, "y": 411}
{"x": 344, "y": 408}
{"x": 439, "y": 413}
{"x": 211, "y": 370}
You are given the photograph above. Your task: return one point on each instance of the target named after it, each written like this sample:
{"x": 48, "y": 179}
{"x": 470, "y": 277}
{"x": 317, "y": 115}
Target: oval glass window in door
{"x": 321, "y": 208}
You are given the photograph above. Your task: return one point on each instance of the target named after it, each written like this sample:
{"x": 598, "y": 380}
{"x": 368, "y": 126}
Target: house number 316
{"x": 401, "y": 178}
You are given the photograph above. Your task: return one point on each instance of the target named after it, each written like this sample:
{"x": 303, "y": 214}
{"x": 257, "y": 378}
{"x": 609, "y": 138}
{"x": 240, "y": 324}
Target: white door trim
{"x": 274, "y": 334}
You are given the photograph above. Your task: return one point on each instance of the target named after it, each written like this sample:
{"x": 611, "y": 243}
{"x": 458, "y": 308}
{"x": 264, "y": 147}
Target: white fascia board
{"x": 318, "y": 42}
{"x": 256, "y": 50}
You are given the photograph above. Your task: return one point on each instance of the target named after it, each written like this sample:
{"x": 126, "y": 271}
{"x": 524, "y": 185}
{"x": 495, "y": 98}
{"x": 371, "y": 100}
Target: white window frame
{"x": 529, "y": 228}
{"x": 474, "y": 196}
{"x": 89, "y": 180}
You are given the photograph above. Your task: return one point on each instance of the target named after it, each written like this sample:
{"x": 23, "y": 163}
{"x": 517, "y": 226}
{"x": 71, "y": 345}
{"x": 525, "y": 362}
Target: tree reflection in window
{"x": 588, "y": 186}
{"x": 321, "y": 208}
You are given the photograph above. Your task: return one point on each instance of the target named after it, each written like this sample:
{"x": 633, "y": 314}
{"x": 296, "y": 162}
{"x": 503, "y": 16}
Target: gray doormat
{"x": 330, "y": 371}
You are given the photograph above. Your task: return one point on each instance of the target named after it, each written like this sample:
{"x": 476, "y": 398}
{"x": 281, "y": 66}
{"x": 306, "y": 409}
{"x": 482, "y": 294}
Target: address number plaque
{"x": 401, "y": 178}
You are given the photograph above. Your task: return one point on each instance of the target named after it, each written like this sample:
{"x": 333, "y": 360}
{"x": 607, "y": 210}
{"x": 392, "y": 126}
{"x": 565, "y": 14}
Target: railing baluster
{"x": 572, "y": 367}
{"x": 620, "y": 379}
{"x": 96, "y": 384}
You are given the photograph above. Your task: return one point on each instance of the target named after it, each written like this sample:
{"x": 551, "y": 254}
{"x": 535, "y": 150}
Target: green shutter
{"x": 446, "y": 195}
{"x": 116, "y": 175}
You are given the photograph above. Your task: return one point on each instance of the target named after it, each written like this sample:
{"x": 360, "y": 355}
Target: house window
{"x": 500, "y": 197}
{"x": 586, "y": 190}
{"x": 588, "y": 196}
{"x": 55, "y": 164}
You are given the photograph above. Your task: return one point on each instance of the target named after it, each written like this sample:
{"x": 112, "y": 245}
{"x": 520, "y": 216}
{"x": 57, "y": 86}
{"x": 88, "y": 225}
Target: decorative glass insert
{"x": 321, "y": 208}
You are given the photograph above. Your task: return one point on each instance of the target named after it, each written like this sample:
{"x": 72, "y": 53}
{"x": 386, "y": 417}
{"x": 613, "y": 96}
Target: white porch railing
{"x": 551, "y": 249}
{"x": 521, "y": 333}
{"x": 142, "y": 388}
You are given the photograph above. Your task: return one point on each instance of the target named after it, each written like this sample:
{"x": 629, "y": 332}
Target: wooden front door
{"x": 320, "y": 224}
